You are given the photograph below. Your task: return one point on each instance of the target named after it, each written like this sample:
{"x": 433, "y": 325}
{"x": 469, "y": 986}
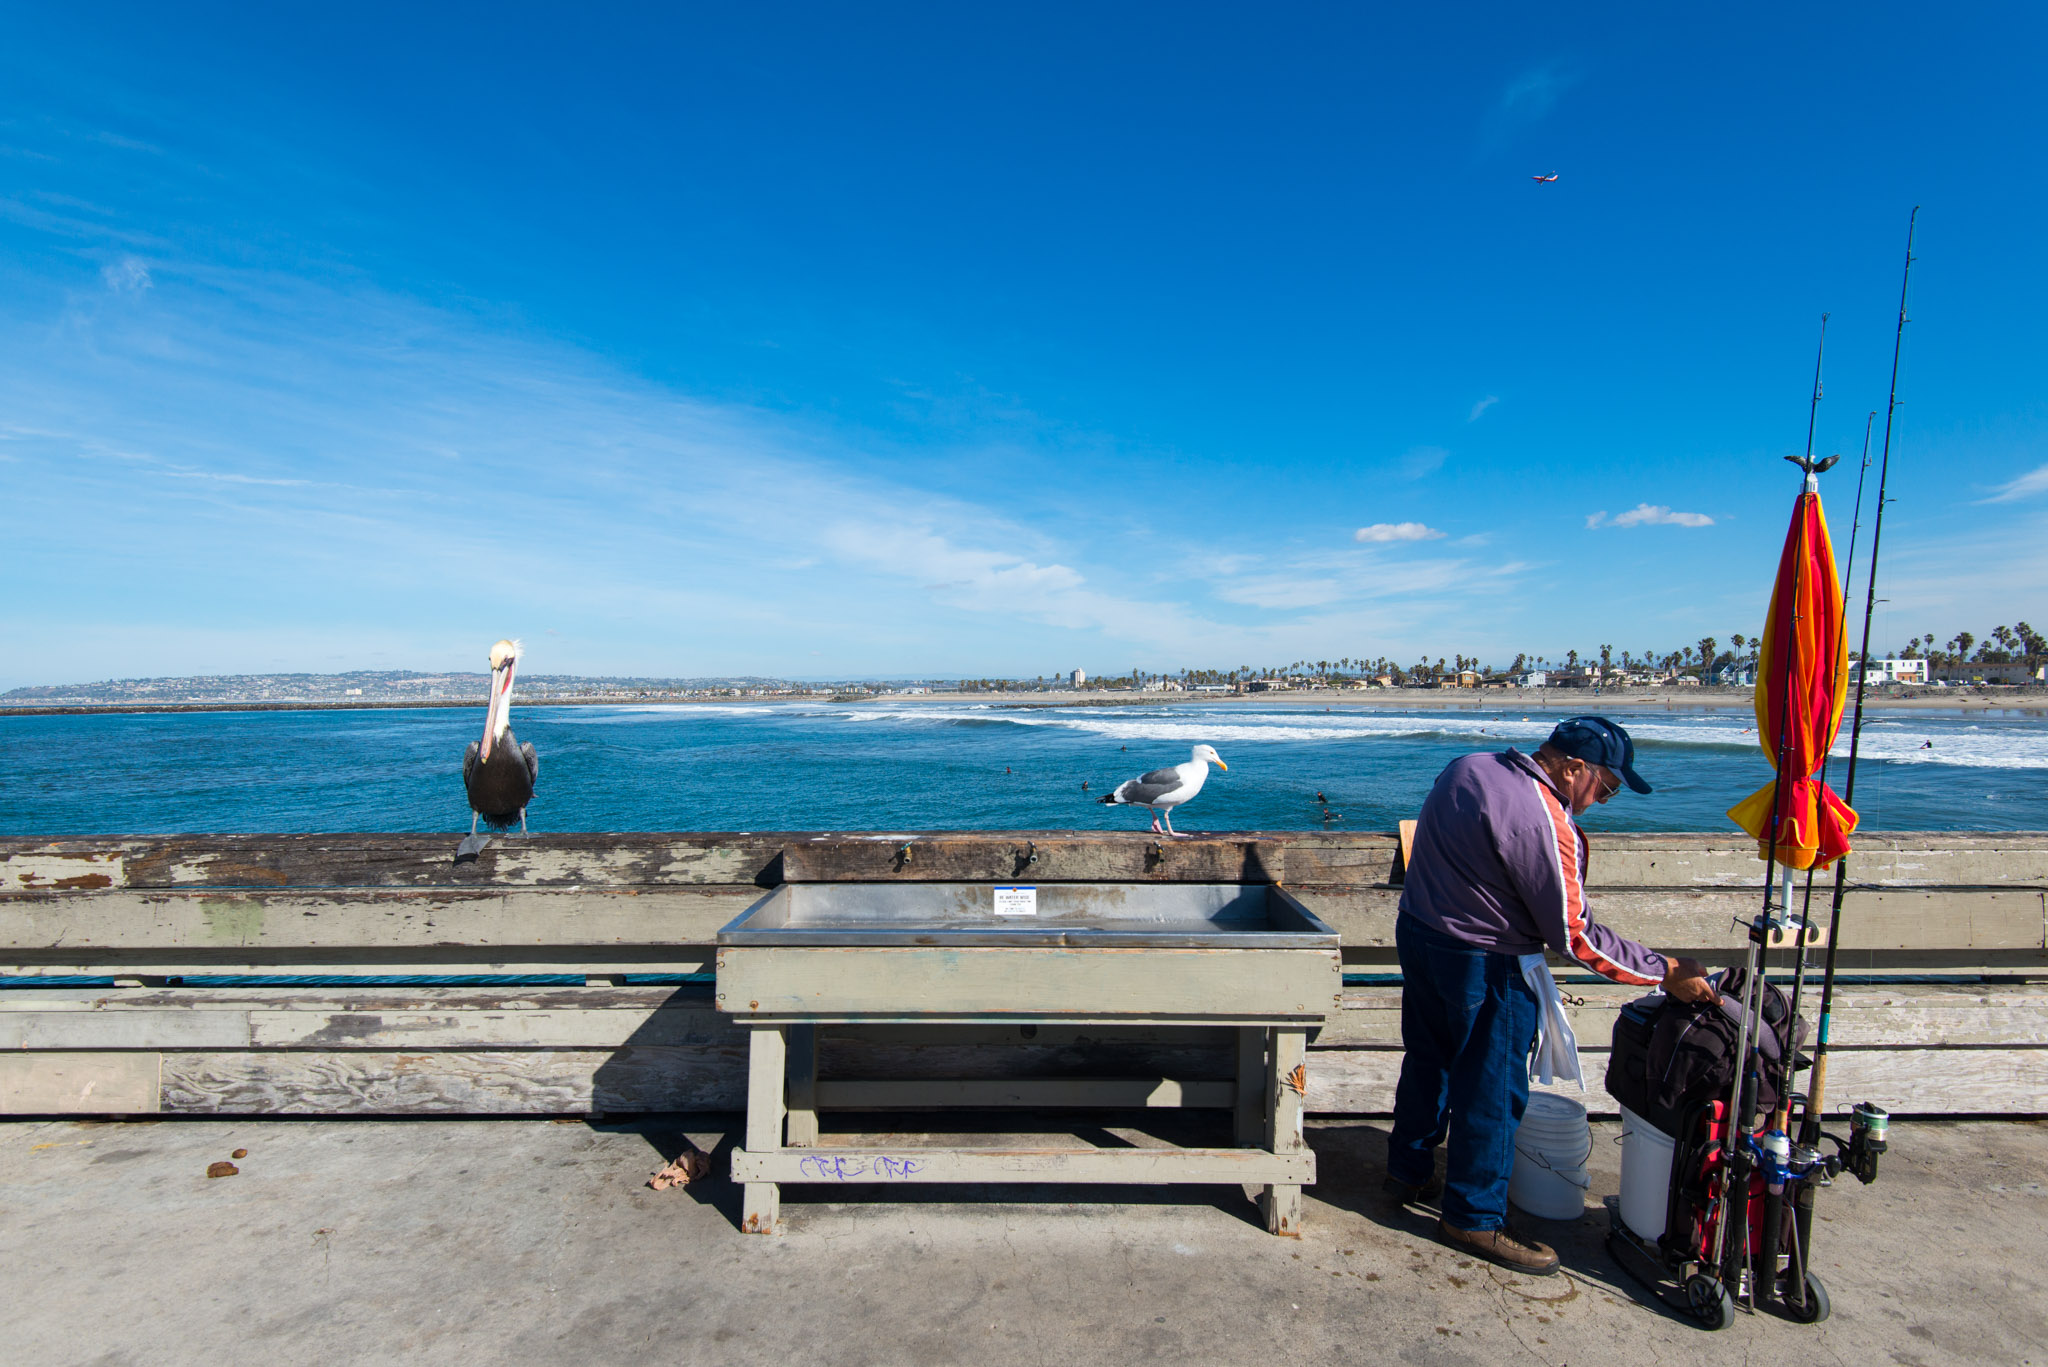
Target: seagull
{"x": 498, "y": 772}
{"x": 1544, "y": 180}
{"x": 1164, "y": 789}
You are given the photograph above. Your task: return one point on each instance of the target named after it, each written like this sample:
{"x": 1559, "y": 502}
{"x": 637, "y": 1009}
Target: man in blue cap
{"x": 1497, "y": 870}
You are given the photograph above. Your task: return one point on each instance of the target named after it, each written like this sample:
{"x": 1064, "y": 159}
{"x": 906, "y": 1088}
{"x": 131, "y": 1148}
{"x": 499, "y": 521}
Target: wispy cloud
{"x": 1529, "y": 97}
{"x": 1478, "y": 409}
{"x": 1397, "y": 531}
{"x": 1649, "y": 515}
{"x": 1536, "y": 91}
{"x": 398, "y": 484}
{"x": 126, "y": 276}
{"x": 1419, "y": 461}
{"x": 2033, "y": 482}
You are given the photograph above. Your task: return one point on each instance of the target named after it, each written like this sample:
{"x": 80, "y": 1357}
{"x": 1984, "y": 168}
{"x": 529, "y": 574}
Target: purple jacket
{"x": 1499, "y": 863}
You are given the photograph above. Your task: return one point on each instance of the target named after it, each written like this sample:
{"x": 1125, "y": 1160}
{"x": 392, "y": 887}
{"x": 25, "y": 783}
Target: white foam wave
{"x": 1901, "y": 741}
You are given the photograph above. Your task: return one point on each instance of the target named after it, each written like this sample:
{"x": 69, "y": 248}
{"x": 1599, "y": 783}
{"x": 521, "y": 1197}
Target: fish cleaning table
{"x": 811, "y": 956}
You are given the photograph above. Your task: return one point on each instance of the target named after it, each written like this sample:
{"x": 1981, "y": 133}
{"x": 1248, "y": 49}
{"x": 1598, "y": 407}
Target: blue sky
{"x": 891, "y": 340}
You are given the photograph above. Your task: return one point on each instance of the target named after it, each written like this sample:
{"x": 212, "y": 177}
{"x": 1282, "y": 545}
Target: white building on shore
{"x": 1892, "y": 671}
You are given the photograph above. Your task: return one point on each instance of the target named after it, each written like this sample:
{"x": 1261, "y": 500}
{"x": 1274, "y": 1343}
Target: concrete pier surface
{"x": 517, "y": 1241}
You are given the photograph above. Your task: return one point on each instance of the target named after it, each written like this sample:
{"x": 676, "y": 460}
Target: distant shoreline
{"x": 1633, "y": 700}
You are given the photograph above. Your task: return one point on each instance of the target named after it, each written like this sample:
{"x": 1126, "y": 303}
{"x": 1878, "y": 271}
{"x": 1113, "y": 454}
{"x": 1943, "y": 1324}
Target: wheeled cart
{"x": 1679, "y": 1262}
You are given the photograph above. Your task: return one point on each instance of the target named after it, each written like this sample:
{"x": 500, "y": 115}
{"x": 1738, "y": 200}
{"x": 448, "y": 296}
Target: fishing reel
{"x": 1868, "y": 1126}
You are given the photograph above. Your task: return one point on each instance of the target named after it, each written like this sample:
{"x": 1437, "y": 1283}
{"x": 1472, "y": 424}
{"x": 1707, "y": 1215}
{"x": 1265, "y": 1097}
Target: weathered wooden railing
{"x": 1946, "y": 937}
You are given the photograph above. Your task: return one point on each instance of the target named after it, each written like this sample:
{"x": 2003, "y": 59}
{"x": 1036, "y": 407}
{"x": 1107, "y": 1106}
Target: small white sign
{"x": 1016, "y": 901}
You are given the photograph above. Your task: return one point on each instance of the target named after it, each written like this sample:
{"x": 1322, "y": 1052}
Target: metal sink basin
{"x": 1221, "y": 952}
{"x": 1078, "y": 915}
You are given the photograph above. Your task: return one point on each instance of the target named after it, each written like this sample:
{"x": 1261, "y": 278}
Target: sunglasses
{"x": 1610, "y": 782}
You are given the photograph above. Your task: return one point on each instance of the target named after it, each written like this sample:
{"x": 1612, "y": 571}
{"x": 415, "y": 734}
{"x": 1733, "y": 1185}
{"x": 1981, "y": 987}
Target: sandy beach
{"x": 2013, "y": 702}
{"x": 2016, "y": 701}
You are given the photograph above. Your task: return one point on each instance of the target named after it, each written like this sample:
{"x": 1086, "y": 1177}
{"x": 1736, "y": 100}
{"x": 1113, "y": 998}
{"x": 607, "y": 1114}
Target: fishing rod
{"x": 1816, "y": 1099}
{"x": 1805, "y": 938}
{"x": 1868, "y": 1125}
{"x": 1786, "y": 637}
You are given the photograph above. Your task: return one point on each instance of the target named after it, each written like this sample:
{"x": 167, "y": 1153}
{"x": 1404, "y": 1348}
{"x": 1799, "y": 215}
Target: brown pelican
{"x": 1164, "y": 789}
{"x": 498, "y": 772}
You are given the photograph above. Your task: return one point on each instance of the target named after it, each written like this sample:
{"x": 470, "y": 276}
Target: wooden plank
{"x": 124, "y": 1030}
{"x": 367, "y": 918}
{"x": 908, "y": 982}
{"x": 474, "y": 1018}
{"x": 401, "y": 860}
{"x": 451, "y": 1017}
{"x": 1959, "y": 1081}
{"x": 1146, "y": 1166}
{"x": 509, "y": 1082}
{"x": 767, "y": 1064}
{"x": 767, "y": 1057}
{"x": 338, "y": 962}
{"x": 399, "y": 997}
{"x": 1903, "y": 1081}
{"x": 1864, "y": 1017}
{"x": 1285, "y": 1088}
{"x": 1690, "y": 920}
{"x": 1664, "y": 860}
{"x": 1307, "y": 858}
{"x": 79, "y": 1084}
{"x": 1051, "y": 1093}
{"x": 1041, "y": 857}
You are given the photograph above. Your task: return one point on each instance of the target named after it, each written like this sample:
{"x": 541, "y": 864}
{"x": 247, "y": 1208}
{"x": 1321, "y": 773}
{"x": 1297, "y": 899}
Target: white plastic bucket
{"x": 1645, "y": 1175}
{"x": 1549, "y": 1177}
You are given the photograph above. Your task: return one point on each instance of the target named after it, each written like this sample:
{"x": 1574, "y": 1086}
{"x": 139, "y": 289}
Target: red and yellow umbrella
{"x": 1802, "y": 680}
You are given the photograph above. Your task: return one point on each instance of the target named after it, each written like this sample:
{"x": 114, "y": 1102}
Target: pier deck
{"x": 521, "y": 1241}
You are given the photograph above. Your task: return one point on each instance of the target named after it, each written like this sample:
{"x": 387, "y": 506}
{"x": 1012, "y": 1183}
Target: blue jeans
{"x": 1467, "y": 1023}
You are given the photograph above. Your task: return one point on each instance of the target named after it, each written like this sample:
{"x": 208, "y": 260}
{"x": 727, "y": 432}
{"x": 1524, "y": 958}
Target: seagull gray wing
{"x": 1149, "y": 788}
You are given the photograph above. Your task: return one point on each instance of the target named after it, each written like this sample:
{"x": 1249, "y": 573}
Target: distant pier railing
{"x": 569, "y": 974}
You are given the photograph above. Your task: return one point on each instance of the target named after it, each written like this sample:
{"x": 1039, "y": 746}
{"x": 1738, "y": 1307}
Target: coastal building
{"x": 1892, "y": 671}
{"x": 1078, "y": 677}
{"x": 1983, "y": 671}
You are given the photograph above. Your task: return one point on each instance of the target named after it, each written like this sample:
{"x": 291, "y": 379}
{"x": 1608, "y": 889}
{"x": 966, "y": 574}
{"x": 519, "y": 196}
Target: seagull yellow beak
{"x": 1221, "y": 765}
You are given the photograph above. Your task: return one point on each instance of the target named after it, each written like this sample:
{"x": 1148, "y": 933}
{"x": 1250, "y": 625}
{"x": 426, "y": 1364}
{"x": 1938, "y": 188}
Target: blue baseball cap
{"x": 1597, "y": 740}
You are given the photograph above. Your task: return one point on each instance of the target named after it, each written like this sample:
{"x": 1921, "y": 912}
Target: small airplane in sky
{"x": 1545, "y": 180}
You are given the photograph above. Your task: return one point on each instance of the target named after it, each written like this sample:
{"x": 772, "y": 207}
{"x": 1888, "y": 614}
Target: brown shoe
{"x": 1501, "y": 1246}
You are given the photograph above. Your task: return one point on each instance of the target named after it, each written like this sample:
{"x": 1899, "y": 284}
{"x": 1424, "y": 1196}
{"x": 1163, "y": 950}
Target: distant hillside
{"x": 400, "y": 685}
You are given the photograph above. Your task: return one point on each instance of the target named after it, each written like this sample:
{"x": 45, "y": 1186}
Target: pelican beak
{"x": 500, "y": 676}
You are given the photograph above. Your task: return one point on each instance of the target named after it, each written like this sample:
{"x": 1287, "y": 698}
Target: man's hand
{"x": 1686, "y": 980}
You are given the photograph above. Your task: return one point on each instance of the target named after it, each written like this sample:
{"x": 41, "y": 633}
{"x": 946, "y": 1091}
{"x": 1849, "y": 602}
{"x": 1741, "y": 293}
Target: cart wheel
{"x": 1708, "y": 1301}
{"x": 1816, "y": 1308}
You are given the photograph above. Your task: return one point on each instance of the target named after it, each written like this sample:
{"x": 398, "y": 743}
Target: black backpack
{"x": 1670, "y": 1056}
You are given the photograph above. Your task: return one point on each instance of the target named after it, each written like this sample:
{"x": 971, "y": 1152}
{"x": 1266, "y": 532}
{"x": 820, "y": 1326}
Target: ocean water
{"x": 945, "y": 765}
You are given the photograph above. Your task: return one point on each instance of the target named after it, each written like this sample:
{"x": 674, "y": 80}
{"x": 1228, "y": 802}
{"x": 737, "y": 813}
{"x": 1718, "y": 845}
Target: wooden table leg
{"x": 767, "y": 1053}
{"x": 1286, "y": 1080}
{"x": 1250, "y": 1119}
{"x": 803, "y": 1086}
